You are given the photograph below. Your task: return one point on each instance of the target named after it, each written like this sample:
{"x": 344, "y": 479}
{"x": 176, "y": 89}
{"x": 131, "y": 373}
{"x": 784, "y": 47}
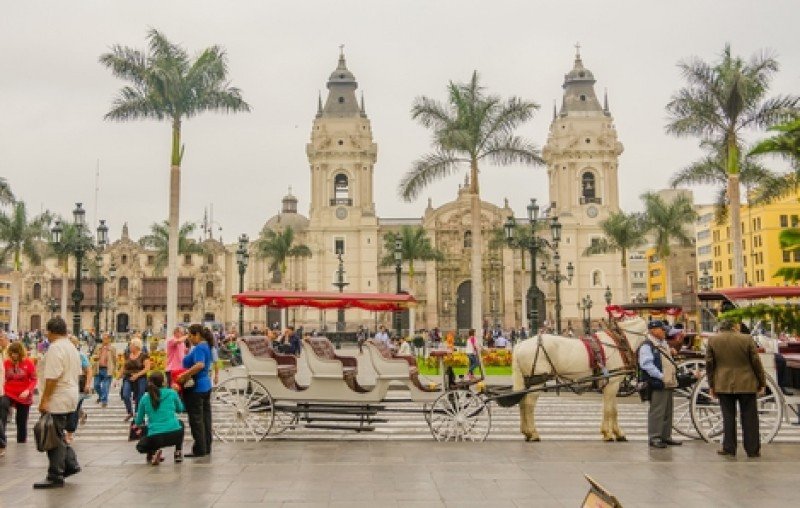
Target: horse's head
{"x": 635, "y": 329}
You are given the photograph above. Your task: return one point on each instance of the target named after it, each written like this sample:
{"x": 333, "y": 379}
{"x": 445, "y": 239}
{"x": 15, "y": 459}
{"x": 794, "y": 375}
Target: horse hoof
{"x": 608, "y": 439}
{"x": 622, "y": 439}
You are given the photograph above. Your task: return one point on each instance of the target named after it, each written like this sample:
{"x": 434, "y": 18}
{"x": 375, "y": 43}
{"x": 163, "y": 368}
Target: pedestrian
{"x": 20, "y": 383}
{"x": 60, "y": 398}
{"x": 176, "y": 350}
{"x": 735, "y": 374}
{"x": 79, "y": 415}
{"x": 404, "y": 348}
{"x": 198, "y": 396}
{"x": 134, "y": 376}
{"x": 473, "y": 350}
{"x": 159, "y": 409}
{"x": 4, "y": 343}
{"x": 659, "y": 370}
{"x": 105, "y": 359}
{"x": 382, "y": 335}
{"x": 293, "y": 341}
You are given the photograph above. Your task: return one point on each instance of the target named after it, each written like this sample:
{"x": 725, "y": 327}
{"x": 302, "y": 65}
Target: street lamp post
{"x": 242, "y": 257}
{"x": 82, "y": 244}
{"x": 555, "y": 274}
{"x": 585, "y": 306}
{"x": 108, "y": 301}
{"x": 53, "y": 305}
{"x": 398, "y": 267}
{"x": 607, "y": 295}
{"x": 340, "y": 284}
{"x": 535, "y": 296}
{"x": 99, "y": 280}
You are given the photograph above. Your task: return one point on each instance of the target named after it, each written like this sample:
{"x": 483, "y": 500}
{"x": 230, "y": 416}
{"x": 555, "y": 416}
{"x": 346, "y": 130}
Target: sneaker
{"x": 104, "y": 405}
{"x": 178, "y": 457}
{"x": 127, "y": 418}
{"x": 49, "y": 484}
{"x": 83, "y": 417}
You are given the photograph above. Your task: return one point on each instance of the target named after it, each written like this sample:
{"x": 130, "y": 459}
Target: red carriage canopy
{"x": 325, "y": 300}
{"x": 634, "y": 309}
{"x": 751, "y": 293}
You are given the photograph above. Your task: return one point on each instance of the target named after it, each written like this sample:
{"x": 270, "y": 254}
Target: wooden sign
{"x": 598, "y": 496}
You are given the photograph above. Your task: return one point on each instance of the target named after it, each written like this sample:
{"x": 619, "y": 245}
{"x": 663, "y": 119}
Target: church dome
{"x": 288, "y": 216}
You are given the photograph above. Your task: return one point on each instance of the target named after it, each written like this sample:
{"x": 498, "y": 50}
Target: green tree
{"x": 786, "y": 143}
{"x": 720, "y": 101}
{"x": 415, "y": 246}
{"x": 279, "y": 247}
{"x": 6, "y": 196}
{"x": 471, "y": 127}
{"x": 20, "y": 236}
{"x": 623, "y": 232}
{"x": 158, "y": 240}
{"x": 789, "y": 240}
{"x": 669, "y": 223}
{"x": 166, "y": 84}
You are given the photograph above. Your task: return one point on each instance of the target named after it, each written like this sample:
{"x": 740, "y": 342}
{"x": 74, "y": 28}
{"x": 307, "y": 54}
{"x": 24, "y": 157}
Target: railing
{"x": 586, "y": 201}
{"x": 342, "y": 201}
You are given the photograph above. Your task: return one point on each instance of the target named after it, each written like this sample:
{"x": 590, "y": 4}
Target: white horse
{"x": 567, "y": 357}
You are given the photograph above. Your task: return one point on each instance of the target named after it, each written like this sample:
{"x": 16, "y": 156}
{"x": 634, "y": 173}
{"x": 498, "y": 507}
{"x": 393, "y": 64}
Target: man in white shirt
{"x": 62, "y": 369}
{"x": 383, "y": 336}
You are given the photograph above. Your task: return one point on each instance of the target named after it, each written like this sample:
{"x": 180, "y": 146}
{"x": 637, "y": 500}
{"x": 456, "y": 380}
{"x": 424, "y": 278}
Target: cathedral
{"x": 344, "y": 233}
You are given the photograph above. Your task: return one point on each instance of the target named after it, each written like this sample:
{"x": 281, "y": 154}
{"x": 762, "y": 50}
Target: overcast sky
{"x": 54, "y": 93}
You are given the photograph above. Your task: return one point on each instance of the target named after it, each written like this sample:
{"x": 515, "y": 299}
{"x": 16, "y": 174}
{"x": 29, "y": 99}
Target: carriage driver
{"x": 661, "y": 373}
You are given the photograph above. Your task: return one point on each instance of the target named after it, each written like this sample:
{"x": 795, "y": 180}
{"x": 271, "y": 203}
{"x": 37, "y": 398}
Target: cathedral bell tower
{"x": 341, "y": 158}
{"x": 581, "y": 154}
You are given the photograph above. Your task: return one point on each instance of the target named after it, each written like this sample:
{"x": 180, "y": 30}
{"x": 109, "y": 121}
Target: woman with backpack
{"x": 159, "y": 408}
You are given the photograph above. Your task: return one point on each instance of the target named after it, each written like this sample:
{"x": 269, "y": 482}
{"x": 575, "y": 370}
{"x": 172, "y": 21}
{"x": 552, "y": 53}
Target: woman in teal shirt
{"x": 160, "y": 407}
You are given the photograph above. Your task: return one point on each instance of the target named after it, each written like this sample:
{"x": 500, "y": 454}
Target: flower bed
{"x": 490, "y": 358}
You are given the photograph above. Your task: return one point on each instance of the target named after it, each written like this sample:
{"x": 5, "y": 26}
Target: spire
{"x": 554, "y": 109}
{"x": 341, "y": 101}
{"x": 319, "y": 105}
{"x": 578, "y": 53}
{"x": 579, "y": 96}
{"x": 605, "y": 101}
{"x": 125, "y": 235}
{"x": 363, "y": 109}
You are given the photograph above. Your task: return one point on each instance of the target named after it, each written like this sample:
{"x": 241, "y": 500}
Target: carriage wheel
{"x": 707, "y": 415}
{"x": 459, "y": 415}
{"x": 285, "y": 419}
{"x": 243, "y": 410}
{"x": 682, "y": 413}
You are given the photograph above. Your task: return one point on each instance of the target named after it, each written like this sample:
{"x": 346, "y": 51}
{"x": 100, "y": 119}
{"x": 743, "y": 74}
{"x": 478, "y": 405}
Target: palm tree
{"x": 718, "y": 103}
{"x": 158, "y": 240}
{"x": 278, "y": 247}
{"x": 62, "y": 251}
{"x": 789, "y": 240}
{"x": 166, "y": 84}
{"x": 667, "y": 222}
{"x": 415, "y": 246}
{"x": 472, "y": 126}
{"x": 786, "y": 144}
{"x": 712, "y": 170}
{"x": 623, "y": 232}
{"x": 20, "y": 237}
{"x": 6, "y": 196}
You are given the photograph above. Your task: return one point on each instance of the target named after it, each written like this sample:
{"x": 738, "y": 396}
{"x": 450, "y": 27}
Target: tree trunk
{"x": 174, "y": 208}
{"x": 736, "y": 229}
{"x": 16, "y": 281}
{"x": 477, "y": 244}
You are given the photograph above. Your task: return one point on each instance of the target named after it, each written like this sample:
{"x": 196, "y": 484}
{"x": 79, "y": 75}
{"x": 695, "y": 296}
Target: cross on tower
{"x": 577, "y": 50}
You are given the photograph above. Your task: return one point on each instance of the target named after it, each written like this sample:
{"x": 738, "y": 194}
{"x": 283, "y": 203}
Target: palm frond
{"x": 511, "y": 149}
{"x": 425, "y": 170}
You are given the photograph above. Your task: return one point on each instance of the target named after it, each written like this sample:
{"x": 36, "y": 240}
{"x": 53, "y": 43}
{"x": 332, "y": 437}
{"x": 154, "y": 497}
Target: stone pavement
{"x": 352, "y": 474}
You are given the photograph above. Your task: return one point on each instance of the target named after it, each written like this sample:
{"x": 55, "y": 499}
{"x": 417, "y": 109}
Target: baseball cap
{"x": 657, "y": 323}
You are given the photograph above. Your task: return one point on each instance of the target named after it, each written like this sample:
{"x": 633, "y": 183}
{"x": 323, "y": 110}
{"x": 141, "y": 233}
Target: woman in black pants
{"x": 159, "y": 408}
{"x": 197, "y": 394}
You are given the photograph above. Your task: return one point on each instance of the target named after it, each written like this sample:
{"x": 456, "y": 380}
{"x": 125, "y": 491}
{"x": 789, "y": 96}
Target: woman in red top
{"x": 20, "y": 383}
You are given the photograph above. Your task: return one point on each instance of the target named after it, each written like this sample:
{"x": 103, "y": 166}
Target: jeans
{"x": 133, "y": 390}
{"x": 62, "y": 459}
{"x": 473, "y": 362}
{"x": 102, "y": 384}
{"x": 198, "y": 407}
{"x": 151, "y": 444}
{"x": 21, "y": 419}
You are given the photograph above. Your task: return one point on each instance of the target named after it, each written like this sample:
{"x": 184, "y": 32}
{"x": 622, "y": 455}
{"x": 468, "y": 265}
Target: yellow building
{"x": 5, "y": 299}
{"x": 656, "y": 277}
{"x": 762, "y": 254}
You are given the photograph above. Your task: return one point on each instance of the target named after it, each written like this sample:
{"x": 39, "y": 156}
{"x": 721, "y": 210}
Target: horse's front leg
{"x": 610, "y": 426}
{"x": 527, "y": 419}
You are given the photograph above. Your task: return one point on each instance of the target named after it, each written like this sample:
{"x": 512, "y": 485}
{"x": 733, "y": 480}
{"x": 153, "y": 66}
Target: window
{"x": 730, "y": 280}
{"x": 338, "y": 246}
{"x": 148, "y": 321}
{"x": 784, "y": 221}
{"x": 210, "y": 259}
{"x": 187, "y": 259}
{"x": 794, "y": 221}
{"x": 37, "y": 291}
{"x": 187, "y": 318}
{"x": 796, "y": 256}
{"x": 209, "y": 289}
{"x": 655, "y": 273}
{"x": 597, "y": 278}
{"x": 705, "y": 249}
{"x": 704, "y": 234}
{"x": 730, "y": 264}
{"x": 787, "y": 256}
{"x": 124, "y": 259}
{"x": 151, "y": 260}
{"x": 656, "y": 287}
{"x": 760, "y": 258}
{"x": 341, "y": 187}
{"x": 468, "y": 239}
{"x": 588, "y": 187}
{"x": 276, "y": 277}
{"x": 123, "y": 286}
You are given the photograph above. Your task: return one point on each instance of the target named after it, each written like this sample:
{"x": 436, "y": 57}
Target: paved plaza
{"x": 353, "y": 473}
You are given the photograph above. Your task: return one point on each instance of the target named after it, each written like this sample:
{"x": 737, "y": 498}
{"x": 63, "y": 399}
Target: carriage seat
{"x": 792, "y": 360}
{"x": 413, "y": 371}
{"x": 260, "y": 348}
{"x": 323, "y": 350}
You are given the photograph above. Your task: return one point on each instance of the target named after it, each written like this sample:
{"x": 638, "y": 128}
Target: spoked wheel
{"x": 285, "y": 419}
{"x": 707, "y": 415}
{"x": 682, "y": 403}
{"x": 243, "y": 410}
{"x": 459, "y": 415}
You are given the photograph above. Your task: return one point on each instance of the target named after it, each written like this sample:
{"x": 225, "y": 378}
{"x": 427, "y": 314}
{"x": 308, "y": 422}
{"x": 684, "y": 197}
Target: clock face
{"x": 591, "y": 211}
{"x": 341, "y": 213}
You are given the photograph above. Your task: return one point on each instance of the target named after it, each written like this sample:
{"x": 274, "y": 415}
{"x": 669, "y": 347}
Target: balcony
{"x": 342, "y": 201}
{"x": 587, "y": 201}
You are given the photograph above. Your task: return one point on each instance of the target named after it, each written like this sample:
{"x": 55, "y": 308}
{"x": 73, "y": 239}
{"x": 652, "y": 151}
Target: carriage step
{"x": 339, "y": 427}
{"x": 342, "y": 419}
{"x": 344, "y": 410}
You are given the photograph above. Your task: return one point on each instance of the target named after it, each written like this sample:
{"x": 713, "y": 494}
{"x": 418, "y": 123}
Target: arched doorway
{"x": 122, "y": 323}
{"x": 36, "y": 322}
{"x": 464, "y": 305}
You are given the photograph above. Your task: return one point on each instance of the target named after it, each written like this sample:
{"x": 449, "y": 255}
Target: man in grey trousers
{"x": 658, "y": 369}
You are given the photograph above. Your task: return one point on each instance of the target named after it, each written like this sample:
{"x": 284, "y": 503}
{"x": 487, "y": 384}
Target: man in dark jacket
{"x": 735, "y": 374}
